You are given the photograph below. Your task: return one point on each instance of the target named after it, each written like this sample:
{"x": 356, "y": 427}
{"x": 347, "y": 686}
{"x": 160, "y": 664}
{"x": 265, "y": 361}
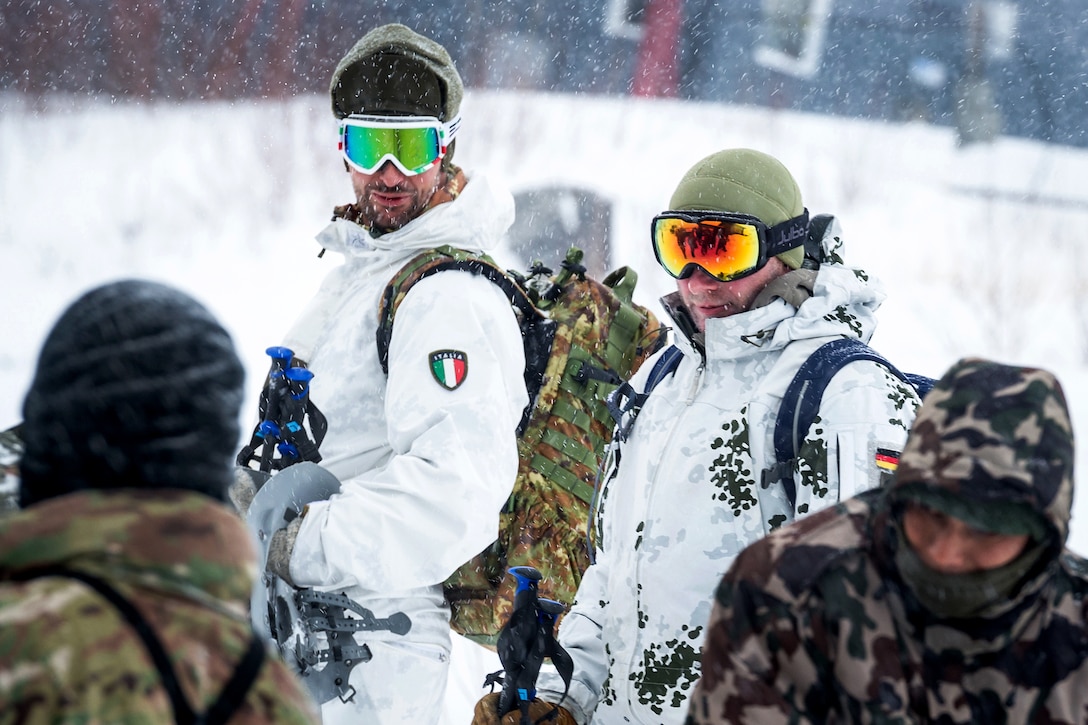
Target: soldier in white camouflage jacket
{"x": 686, "y": 496}
{"x": 424, "y": 447}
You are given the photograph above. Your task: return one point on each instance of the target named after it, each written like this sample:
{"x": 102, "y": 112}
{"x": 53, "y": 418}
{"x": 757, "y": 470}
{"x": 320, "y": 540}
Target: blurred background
{"x": 191, "y": 142}
{"x": 983, "y": 67}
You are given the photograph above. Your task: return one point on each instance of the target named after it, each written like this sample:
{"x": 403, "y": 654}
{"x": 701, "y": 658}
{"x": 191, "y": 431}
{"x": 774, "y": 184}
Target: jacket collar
{"x": 841, "y": 301}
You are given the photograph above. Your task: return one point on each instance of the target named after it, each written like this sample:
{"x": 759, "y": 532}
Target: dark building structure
{"x": 982, "y": 66}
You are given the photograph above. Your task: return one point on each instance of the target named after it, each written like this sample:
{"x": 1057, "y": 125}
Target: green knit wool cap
{"x": 743, "y": 181}
{"x": 392, "y": 70}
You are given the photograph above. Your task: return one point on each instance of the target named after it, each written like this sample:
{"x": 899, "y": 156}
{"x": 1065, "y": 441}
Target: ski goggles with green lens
{"x": 725, "y": 246}
{"x": 413, "y": 143}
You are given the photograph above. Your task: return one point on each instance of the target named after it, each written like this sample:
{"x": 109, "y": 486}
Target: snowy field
{"x": 981, "y": 248}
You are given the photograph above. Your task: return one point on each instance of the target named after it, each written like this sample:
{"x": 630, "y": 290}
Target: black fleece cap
{"x": 137, "y": 386}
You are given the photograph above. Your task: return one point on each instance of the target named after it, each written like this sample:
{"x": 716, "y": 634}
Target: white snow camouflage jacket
{"x": 686, "y": 499}
{"x": 424, "y": 469}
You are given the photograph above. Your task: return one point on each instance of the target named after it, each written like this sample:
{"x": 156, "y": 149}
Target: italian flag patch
{"x": 449, "y": 368}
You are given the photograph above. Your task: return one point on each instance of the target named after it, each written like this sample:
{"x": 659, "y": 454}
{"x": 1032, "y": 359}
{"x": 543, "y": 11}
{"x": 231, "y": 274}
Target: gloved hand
{"x": 487, "y": 713}
{"x": 246, "y": 484}
{"x": 280, "y": 548}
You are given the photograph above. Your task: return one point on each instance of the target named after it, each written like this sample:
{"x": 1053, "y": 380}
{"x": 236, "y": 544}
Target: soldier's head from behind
{"x": 398, "y": 97}
{"x": 137, "y": 386}
{"x": 982, "y": 496}
{"x": 735, "y": 223}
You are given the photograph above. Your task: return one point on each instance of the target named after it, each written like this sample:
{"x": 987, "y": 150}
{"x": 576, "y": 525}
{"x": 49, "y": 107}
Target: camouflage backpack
{"x": 582, "y": 339}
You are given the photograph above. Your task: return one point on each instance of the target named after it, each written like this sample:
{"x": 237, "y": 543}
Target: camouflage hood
{"x": 173, "y": 541}
{"x": 994, "y": 433}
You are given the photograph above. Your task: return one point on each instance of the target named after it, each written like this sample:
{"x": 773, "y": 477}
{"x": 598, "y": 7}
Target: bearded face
{"x": 388, "y": 199}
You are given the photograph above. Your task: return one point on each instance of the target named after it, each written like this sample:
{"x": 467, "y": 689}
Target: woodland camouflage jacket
{"x": 814, "y": 624}
{"x": 185, "y": 562}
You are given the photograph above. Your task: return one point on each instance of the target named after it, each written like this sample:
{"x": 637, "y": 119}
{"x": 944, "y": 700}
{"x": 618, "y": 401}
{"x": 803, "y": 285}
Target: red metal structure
{"x": 656, "y": 72}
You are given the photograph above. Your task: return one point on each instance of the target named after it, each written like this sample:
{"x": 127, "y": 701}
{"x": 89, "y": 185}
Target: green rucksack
{"x": 582, "y": 339}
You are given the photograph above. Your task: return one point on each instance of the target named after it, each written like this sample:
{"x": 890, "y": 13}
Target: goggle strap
{"x": 787, "y": 235}
{"x": 451, "y": 128}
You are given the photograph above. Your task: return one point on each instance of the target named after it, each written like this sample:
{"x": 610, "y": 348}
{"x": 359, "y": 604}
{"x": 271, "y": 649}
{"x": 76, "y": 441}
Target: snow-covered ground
{"x": 982, "y": 248}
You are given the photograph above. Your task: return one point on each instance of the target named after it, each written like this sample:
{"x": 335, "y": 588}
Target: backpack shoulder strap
{"x": 433, "y": 261}
{"x": 664, "y": 367}
{"x": 233, "y": 694}
{"x": 624, "y": 402}
{"x": 922, "y": 383}
{"x": 801, "y": 402}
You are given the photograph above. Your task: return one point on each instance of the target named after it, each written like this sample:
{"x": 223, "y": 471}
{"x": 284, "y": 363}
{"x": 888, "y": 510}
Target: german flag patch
{"x": 887, "y": 459}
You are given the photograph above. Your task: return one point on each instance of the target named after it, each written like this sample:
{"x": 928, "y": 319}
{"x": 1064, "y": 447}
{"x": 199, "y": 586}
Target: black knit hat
{"x": 390, "y": 84}
{"x": 137, "y": 386}
{"x": 393, "y": 70}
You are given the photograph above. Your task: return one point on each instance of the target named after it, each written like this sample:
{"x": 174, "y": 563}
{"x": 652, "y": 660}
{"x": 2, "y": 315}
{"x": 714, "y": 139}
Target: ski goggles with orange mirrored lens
{"x": 413, "y": 143}
{"x": 725, "y": 246}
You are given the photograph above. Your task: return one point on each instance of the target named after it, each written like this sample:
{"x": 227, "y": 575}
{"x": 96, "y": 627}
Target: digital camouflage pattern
{"x": 597, "y": 327}
{"x": 185, "y": 562}
{"x": 815, "y": 624}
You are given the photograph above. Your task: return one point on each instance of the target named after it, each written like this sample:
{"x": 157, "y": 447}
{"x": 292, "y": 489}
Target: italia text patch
{"x": 449, "y": 368}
